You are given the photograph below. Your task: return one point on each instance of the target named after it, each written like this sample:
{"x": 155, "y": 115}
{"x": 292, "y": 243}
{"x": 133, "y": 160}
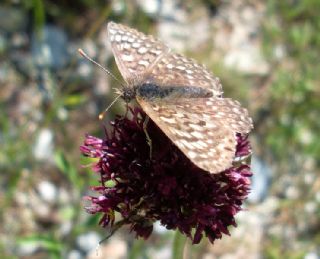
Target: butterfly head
{"x": 127, "y": 93}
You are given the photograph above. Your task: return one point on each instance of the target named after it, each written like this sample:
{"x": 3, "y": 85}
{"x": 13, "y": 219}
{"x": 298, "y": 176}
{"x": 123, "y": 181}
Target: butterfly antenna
{"x": 101, "y": 115}
{"x": 82, "y": 53}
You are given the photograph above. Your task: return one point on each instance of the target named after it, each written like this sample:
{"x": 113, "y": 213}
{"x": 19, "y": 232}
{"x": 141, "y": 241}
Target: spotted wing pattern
{"x": 228, "y": 111}
{"x": 201, "y": 128}
{"x": 145, "y": 59}
{"x": 134, "y": 51}
{"x": 176, "y": 70}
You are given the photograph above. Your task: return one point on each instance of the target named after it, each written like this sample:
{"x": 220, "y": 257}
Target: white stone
{"x": 43, "y": 148}
{"x": 150, "y": 7}
{"x": 74, "y": 254}
{"x": 47, "y": 191}
{"x": 88, "y": 241}
{"x": 237, "y": 36}
{"x": 114, "y": 248}
{"x": 311, "y": 255}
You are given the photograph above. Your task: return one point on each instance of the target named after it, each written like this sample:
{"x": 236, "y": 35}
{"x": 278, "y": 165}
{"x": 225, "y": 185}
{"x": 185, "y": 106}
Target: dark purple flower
{"x": 168, "y": 187}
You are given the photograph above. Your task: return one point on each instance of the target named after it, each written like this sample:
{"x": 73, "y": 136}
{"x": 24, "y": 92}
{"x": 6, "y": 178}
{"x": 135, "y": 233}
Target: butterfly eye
{"x": 128, "y": 94}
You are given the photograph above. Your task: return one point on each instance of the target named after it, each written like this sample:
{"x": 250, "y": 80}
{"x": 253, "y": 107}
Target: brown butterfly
{"x": 182, "y": 97}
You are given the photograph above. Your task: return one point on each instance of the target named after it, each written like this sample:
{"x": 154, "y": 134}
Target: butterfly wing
{"x": 200, "y": 129}
{"x": 176, "y": 70}
{"x": 134, "y": 51}
{"x": 145, "y": 59}
{"x": 229, "y": 112}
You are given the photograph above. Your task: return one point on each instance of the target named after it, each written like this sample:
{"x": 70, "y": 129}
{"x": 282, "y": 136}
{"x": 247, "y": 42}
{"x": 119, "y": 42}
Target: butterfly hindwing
{"x": 209, "y": 144}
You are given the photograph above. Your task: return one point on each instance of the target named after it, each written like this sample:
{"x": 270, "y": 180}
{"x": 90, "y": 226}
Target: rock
{"x": 261, "y": 180}
{"x": 245, "y": 240}
{"x": 43, "y": 147}
{"x": 150, "y": 7}
{"x": 3, "y": 44}
{"x": 75, "y": 254}
{"x": 48, "y": 191}
{"x": 182, "y": 30}
{"x": 49, "y": 47}
{"x": 237, "y": 28}
{"x": 114, "y": 248}
{"x": 89, "y": 241}
{"x": 312, "y": 255}
{"x": 27, "y": 249}
{"x": 12, "y": 19}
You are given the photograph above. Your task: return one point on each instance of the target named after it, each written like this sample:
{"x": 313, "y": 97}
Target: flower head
{"x": 165, "y": 187}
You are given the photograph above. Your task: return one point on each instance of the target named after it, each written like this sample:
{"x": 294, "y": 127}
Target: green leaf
{"x": 74, "y": 100}
{"x": 44, "y": 242}
{"x": 38, "y": 14}
{"x": 68, "y": 169}
{"x": 137, "y": 249}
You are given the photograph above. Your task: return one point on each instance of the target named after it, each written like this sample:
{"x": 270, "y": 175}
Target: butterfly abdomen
{"x": 151, "y": 91}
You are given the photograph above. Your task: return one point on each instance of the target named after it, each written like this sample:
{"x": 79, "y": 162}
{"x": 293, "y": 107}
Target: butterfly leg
{"x": 149, "y": 141}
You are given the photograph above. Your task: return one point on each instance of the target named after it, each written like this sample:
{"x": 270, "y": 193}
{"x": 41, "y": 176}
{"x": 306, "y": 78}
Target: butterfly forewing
{"x": 138, "y": 55}
{"x": 176, "y": 70}
{"x": 134, "y": 52}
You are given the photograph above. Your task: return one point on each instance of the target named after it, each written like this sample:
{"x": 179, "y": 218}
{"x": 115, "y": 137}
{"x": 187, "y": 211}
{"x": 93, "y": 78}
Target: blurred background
{"x": 267, "y": 54}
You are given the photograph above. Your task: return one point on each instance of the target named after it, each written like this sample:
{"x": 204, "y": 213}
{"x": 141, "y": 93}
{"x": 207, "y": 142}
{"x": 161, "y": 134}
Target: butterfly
{"x": 181, "y": 96}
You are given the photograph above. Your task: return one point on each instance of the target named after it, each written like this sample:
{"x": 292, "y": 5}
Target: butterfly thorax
{"x": 150, "y": 91}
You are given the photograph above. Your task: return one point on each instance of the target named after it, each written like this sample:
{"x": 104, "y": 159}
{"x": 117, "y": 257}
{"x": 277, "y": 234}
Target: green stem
{"x": 38, "y": 15}
{"x": 178, "y": 245}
